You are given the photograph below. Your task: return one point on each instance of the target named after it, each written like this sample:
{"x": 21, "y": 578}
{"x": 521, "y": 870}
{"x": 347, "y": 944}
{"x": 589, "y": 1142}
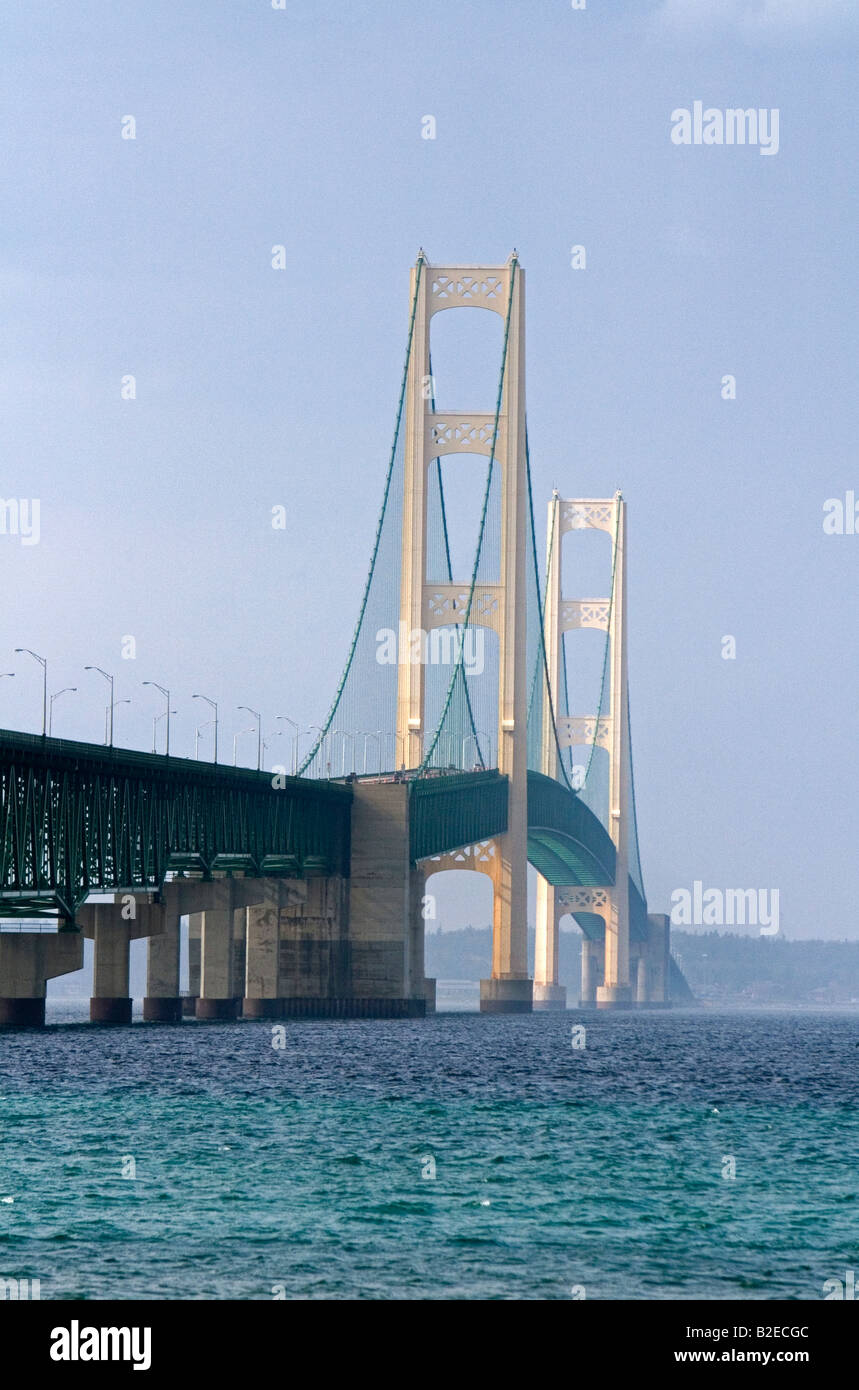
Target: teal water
{"x": 298, "y": 1172}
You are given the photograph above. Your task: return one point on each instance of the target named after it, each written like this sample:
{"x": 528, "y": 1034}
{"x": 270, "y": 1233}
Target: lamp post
{"x": 482, "y": 734}
{"x": 323, "y": 739}
{"x": 294, "y": 739}
{"x": 197, "y": 733}
{"x": 266, "y": 743}
{"x": 166, "y": 694}
{"x": 298, "y": 737}
{"x": 43, "y": 662}
{"x": 344, "y": 734}
{"x": 236, "y": 737}
{"x": 155, "y": 722}
{"x": 108, "y": 678}
{"x": 214, "y": 705}
{"x": 56, "y": 695}
{"x": 376, "y": 734}
{"x": 109, "y": 711}
{"x": 257, "y": 717}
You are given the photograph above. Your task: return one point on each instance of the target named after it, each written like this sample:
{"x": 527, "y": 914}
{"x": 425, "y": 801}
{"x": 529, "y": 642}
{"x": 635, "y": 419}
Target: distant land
{"x": 721, "y": 967}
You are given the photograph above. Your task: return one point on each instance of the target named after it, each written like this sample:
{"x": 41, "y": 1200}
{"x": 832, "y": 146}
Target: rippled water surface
{"x": 301, "y": 1169}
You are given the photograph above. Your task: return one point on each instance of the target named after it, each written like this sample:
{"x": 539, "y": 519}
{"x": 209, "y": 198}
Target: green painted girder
{"x": 566, "y": 841}
{"x": 450, "y": 810}
{"x": 77, "y": 818}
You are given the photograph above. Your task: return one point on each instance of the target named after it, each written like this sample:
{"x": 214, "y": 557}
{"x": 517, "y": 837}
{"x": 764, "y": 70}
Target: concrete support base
{"x": 22, "y": 1013}
{"x": 220, "y": 1010}
{"x": 109, "y": 1010}
{"x": 550, "y": 998}
{"x": 614, "y": 997}
{"x": 506, "y": 996}
{"x": 163, "y": 1009}
{"x": 429, "y": 991}
{"x": 189, "y": 1005}
{"x": 261, "y": 1008}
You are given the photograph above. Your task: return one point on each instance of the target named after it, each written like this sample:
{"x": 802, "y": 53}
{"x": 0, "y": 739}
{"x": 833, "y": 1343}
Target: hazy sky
{"x": 256, "y": 387}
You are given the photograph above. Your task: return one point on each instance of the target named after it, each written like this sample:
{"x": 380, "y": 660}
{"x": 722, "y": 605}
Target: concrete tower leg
{"x": 509, "y": 989}
{"x": 641, "y": 978}
{"x": 425, "y": 603}
{"x": 549, "y": 996}
{"x": 589, "y": 986}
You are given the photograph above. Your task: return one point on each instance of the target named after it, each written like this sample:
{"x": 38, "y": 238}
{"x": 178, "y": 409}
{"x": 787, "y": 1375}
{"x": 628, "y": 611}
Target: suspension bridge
{"x": 305, "y": 893}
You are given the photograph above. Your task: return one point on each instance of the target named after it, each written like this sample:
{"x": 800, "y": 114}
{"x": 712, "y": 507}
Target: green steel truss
{"x": 77, "y": 818}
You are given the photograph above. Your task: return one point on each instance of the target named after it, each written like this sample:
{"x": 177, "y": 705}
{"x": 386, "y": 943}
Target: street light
{"x": 266, "y": 743}
{"x": 56, "y": 695}
{"x": 344, "y": 734}
{"x": 296, "y": 743}
{"x": 376, "y": 734}
{"x": 236, "y": 737}
{"x": 107, "y": 709}
{"x": 294, "y": 739}
{"x": 198, "y": 732}
{"x": 214, "y": 721}
{"x": 155, "y": 722}
{"x": 256, "y": 715}
{"x": 44, "y": 665}
{"x": 482, "y": 734}
{"x": 110, "y": 706}
{"x": 166, "y": 694}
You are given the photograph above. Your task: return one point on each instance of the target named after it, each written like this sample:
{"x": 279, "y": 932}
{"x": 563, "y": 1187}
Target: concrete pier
{"x": 27, "y": 961}
{"x": 195, "y": 933}
{"x": 266, "y": 963}
{"x": 163, "y": 1002}
{"x": 549, "y": 998}
{"x": 262, "y": 960}
{"x": 506, "y": 996}
{"x": 588, "y": 997}
{"x": 111, "y": 1000}
{"x": 217, "y": 998}
{"x": 385, "y": 926}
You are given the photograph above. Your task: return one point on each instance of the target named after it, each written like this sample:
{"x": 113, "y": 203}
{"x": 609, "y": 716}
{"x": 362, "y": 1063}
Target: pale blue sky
{"x": 256, "y": 387}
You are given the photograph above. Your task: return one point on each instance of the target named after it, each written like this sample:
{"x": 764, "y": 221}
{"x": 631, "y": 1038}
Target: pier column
{"x": 217, "y": 955}
{"x": 589, "y": 976}
{"x": 641, "y": 978}
{"x": 195, "y": 935}
{"x": 384, "y": 899}
{"x": 549, "y": 995}
{"x": 27, "y": 961}
{"x": 658, "y": 947}
{"x": 419, "y": 986}
{"x": 111, "y": 1000}
{"x": 163, "y": 1002}
{"x": 262, "y": 958}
